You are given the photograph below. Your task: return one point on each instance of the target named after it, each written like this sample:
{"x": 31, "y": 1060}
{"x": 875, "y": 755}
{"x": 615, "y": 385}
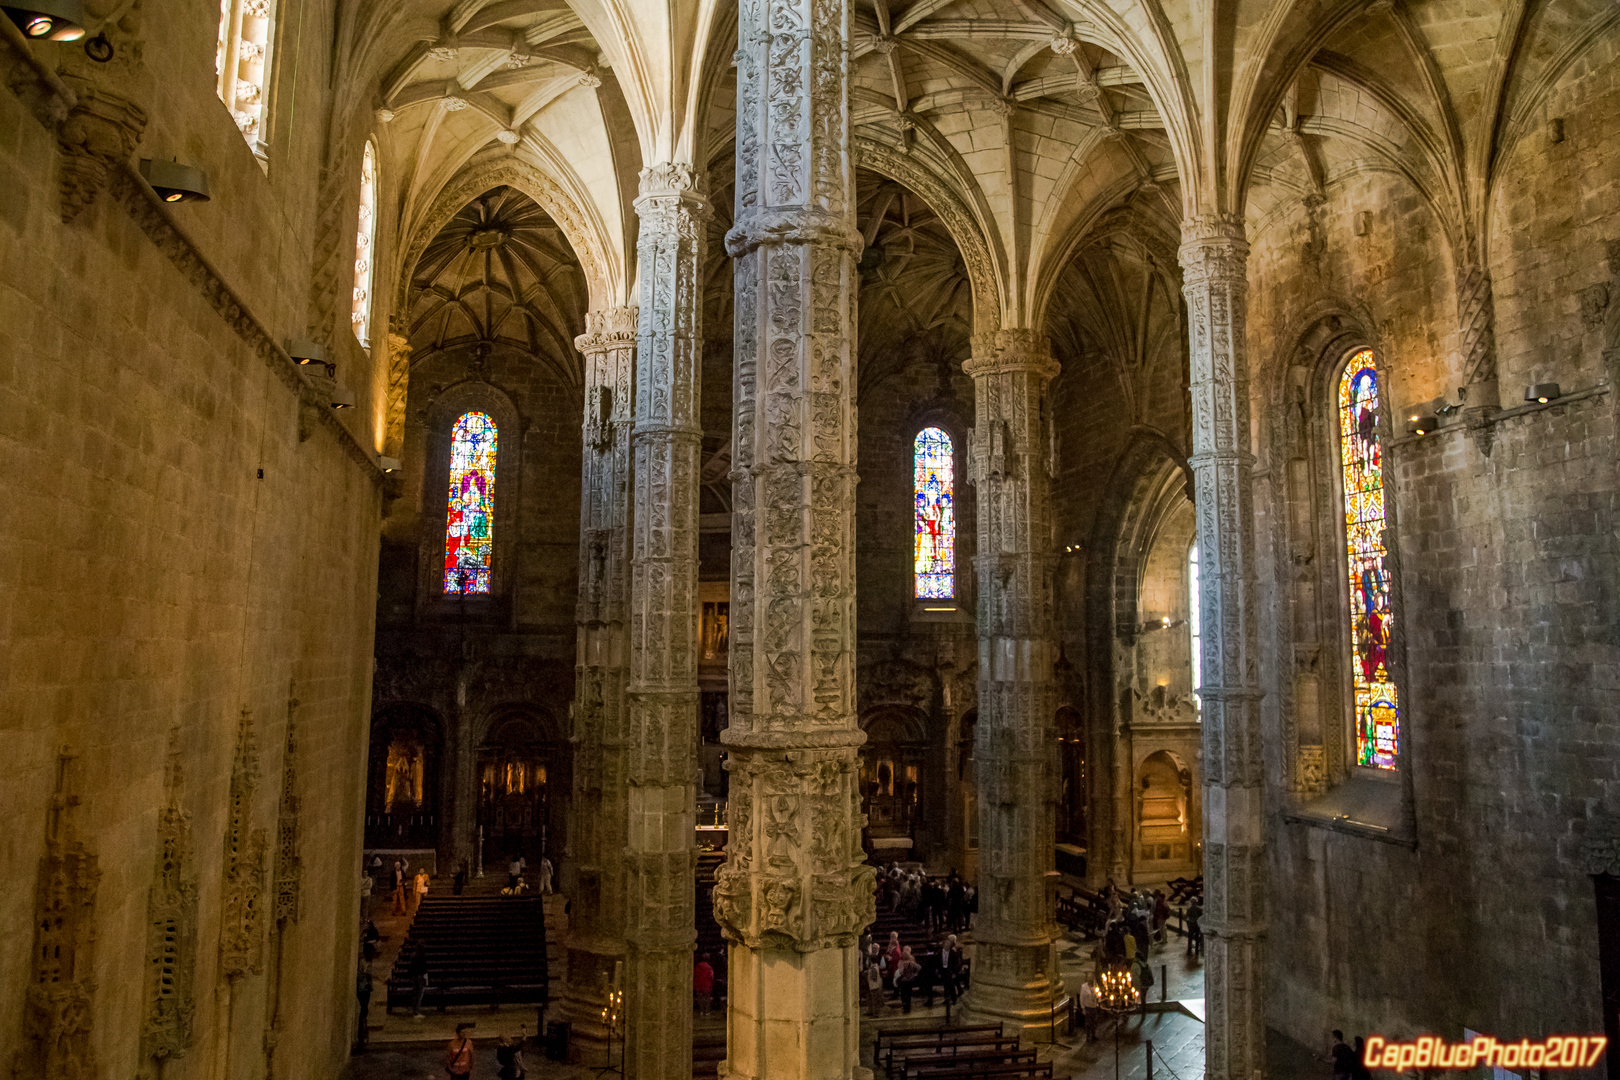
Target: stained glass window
{"x": 1377, "y": 710}
{"x": 469, "y": 525}
{"x": 935, "y": 563}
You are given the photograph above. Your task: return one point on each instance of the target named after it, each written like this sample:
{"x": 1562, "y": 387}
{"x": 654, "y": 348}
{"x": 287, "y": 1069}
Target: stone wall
{"x": 191, "y": 538}
{"x": 1476, "y": 911}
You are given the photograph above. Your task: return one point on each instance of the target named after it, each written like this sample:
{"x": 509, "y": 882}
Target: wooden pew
{"x": 920, "y": 1038}
{"x": 926, "y": 1066}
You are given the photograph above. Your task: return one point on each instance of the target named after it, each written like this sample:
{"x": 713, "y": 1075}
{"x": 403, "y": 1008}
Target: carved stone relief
{"x": 171, "y": 927}
{"x": 241, "y": 936}
{"x": 60, "y": 1001}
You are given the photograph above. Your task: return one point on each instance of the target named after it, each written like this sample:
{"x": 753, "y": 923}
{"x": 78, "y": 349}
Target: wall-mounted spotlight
{"x": 1422, "y": 425}
{"x": 305, "y": 352}
{"x": 389, "y": 464}
{"x": 175, "y": 182}
{"x": 48, "y": 20}
{"x": 1542, "y": 392}
{"x": 342, "y": 397}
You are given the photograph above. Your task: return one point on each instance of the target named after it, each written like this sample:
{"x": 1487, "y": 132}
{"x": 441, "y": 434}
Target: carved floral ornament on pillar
{"x": 795, "y": 877}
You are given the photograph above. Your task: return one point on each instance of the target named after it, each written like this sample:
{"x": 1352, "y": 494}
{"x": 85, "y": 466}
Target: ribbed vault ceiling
{"x": 499, "y": 273}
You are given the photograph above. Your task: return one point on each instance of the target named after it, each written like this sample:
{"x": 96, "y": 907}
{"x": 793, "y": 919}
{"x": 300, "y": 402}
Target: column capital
{"x": 673, "y": 185}
{"x": 1016, "y": 349}
{"x": 606, "y": 328}
{"x": 1214, "y": 249}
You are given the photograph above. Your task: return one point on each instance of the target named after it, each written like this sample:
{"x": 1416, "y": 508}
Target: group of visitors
{"x": 461, "y": 1054}
{"x": 1349, "y": 1063}
{"x": 516, "y": 870}
{"x": 1137, "y": 922}
{"x": 940, "y": 904}
{"x": 408, "y": 890}
{"x": 893, "y": 971}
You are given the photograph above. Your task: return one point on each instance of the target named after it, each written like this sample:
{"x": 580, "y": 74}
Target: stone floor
{"x": 403, "y": 1049}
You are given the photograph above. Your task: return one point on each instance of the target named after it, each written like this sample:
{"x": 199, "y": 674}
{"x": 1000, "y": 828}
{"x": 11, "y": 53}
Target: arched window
{"x": 1192, "y": 624}
{"x": 935, "y": 519}
{"x": 1361, "y": 464}
{"x": 242, "y": 63}
{"x": 470, "y": 521}
{"x": 365, "y": 241}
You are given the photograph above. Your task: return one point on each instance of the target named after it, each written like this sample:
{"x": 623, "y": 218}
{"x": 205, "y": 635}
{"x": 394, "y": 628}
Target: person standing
{"x": 955, "y": 904}
{"x": 1195, "y": 932}
{"x": 1358, "y": 1061}
{"x": 702, "y": 978}
{"x": 905, "y": 977}
{"x": 399, "y": 888}
{"x": 459, "y": 882}
{"x": 874, "y": 979}
{"x": 421, "y": 889}
{"x": 1088, "y": 1009}
{"x": 368, "y": 940}
{"x": 509, "y": 1056}
{"x": 459, "y": 1055}
{"x": 1341, "y": 1057}
{"x": 545, "y": 876}
{"x": 418, "y": 971}
{"x": 514, "y": 874}
{"x": 950, "y": 964}
{"x": 362, "y": 993}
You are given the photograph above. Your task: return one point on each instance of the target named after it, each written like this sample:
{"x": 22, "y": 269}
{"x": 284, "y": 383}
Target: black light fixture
{"x": 389, "y": 464}
{"x": 1541, "y": 392}
{"x": 342, "y": 397}
{"x": 1422, "y": 425}
{"x": 49, "y": 20}
{"x": 306, "y": 352}
{"x": 175, "y": 182}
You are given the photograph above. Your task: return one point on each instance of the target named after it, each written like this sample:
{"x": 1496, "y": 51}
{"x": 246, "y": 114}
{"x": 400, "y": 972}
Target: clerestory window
{"x": 935, "y": 516}
{"x": 242, "y": 64}
{"x": 470, "y": 518}
{"x": 365, "y": 244}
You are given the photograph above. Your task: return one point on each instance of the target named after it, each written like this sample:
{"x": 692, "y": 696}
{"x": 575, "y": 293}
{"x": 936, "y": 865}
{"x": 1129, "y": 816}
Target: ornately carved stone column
{"x": 1214, "y": 256}
{"x": 660, "y": 854}
{"x": 794, "y": 894}
{"x": 596, "y": 825}
{"x": 1015, "y": 971}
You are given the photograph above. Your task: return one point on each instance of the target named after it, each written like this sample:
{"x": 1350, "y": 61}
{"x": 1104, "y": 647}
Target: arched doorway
{"x": 892, "y": 779}
{"x": 519, "y": 773}
{"x": 1164, "y": 812}
{"x": 402, "y": 796}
